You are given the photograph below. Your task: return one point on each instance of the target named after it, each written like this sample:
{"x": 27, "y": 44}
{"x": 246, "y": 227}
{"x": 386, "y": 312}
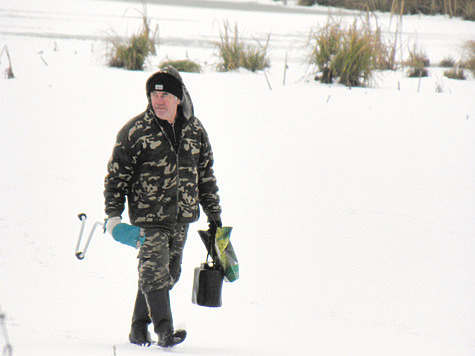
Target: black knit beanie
{"x": 161, "y": 81}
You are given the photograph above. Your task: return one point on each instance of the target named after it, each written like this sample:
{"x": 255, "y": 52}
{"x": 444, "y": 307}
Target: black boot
{"x": 160, "y": 312}
{"x": 139, "y": 334}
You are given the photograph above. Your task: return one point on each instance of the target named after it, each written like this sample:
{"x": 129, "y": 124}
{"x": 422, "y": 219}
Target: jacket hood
{"x": 186, "y": 103}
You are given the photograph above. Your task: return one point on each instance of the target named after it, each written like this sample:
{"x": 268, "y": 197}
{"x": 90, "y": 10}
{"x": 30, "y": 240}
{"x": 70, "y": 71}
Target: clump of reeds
{"x": 8, "y": 70}
{"x": 455, "y": 73}
{"x": 234, "y": 53}
{"x": 348, "y": 55}
{"x": 132, "y": 52}
{"x": 468, "y": 56}
{"x": 418, "y": 62}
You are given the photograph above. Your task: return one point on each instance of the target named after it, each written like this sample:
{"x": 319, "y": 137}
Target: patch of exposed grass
{"x": 182, "y": 65}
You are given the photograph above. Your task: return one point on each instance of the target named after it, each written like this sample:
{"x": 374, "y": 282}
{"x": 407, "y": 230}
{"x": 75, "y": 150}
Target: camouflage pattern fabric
{"x": 160, "y": 257}
{"x": 161, "y": 185}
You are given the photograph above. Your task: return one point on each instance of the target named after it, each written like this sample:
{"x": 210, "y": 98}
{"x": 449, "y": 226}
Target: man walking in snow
{"x": 162, "y": 165}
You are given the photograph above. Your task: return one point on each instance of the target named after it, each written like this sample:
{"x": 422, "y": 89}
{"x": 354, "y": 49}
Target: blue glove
{"x": 128, "y": 235}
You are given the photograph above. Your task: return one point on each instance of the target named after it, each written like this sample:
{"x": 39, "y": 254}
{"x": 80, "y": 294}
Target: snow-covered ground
{"x": 353, "y": 210}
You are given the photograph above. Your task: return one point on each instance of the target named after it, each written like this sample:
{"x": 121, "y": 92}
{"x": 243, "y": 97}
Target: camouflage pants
{"x": 160, "y": 257}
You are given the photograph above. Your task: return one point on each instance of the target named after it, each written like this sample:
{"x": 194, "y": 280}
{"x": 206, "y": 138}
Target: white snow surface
{"x": 353, "y": 209}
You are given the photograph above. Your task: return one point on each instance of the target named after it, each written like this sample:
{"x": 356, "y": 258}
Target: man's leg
{"x": 176, "y": 245}
{"x": 140, "y": 319}
{"x": 154, "y": 257}
{"x": 155, "y": 278}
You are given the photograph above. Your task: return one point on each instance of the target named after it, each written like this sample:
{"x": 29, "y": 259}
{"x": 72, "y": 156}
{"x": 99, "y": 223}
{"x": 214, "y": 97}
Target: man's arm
{"x": 207, "y": 183}
{"x": 119, "y": 174}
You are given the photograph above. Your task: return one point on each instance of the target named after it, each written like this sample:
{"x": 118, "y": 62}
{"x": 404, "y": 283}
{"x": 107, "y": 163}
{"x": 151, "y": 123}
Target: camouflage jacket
{"x": 163, "y": 186}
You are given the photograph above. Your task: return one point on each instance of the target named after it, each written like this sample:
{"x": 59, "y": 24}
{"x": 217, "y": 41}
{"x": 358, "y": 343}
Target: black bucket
{"x": 207, "y": 285}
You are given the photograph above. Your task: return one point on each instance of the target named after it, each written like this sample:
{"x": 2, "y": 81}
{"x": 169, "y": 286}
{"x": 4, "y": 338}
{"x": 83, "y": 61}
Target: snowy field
{"x": 353, "y": 210}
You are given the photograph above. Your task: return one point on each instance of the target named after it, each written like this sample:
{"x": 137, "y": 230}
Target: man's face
{"x": 164, "y": 104}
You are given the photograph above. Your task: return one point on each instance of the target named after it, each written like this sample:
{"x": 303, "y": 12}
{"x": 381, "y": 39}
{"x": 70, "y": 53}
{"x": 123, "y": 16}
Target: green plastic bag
{"x": 222, "y": 252}
{"x": 227, "y": 256}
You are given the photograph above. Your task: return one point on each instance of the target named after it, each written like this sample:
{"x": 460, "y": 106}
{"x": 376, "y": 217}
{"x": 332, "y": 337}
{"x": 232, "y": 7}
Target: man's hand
{"x": 213, "y": 226}
{"x": 124, "y": 233}
{"x": 111, "y": 223}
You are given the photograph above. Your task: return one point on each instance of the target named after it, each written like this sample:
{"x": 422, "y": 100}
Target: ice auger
{"x": 83, "y": 217}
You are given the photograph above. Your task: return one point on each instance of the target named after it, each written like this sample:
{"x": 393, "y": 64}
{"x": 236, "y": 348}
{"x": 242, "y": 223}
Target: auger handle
{"x": 81, "y": 254}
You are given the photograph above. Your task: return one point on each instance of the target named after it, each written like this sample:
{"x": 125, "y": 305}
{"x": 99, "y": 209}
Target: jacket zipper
{"x": 177, "y": 158}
